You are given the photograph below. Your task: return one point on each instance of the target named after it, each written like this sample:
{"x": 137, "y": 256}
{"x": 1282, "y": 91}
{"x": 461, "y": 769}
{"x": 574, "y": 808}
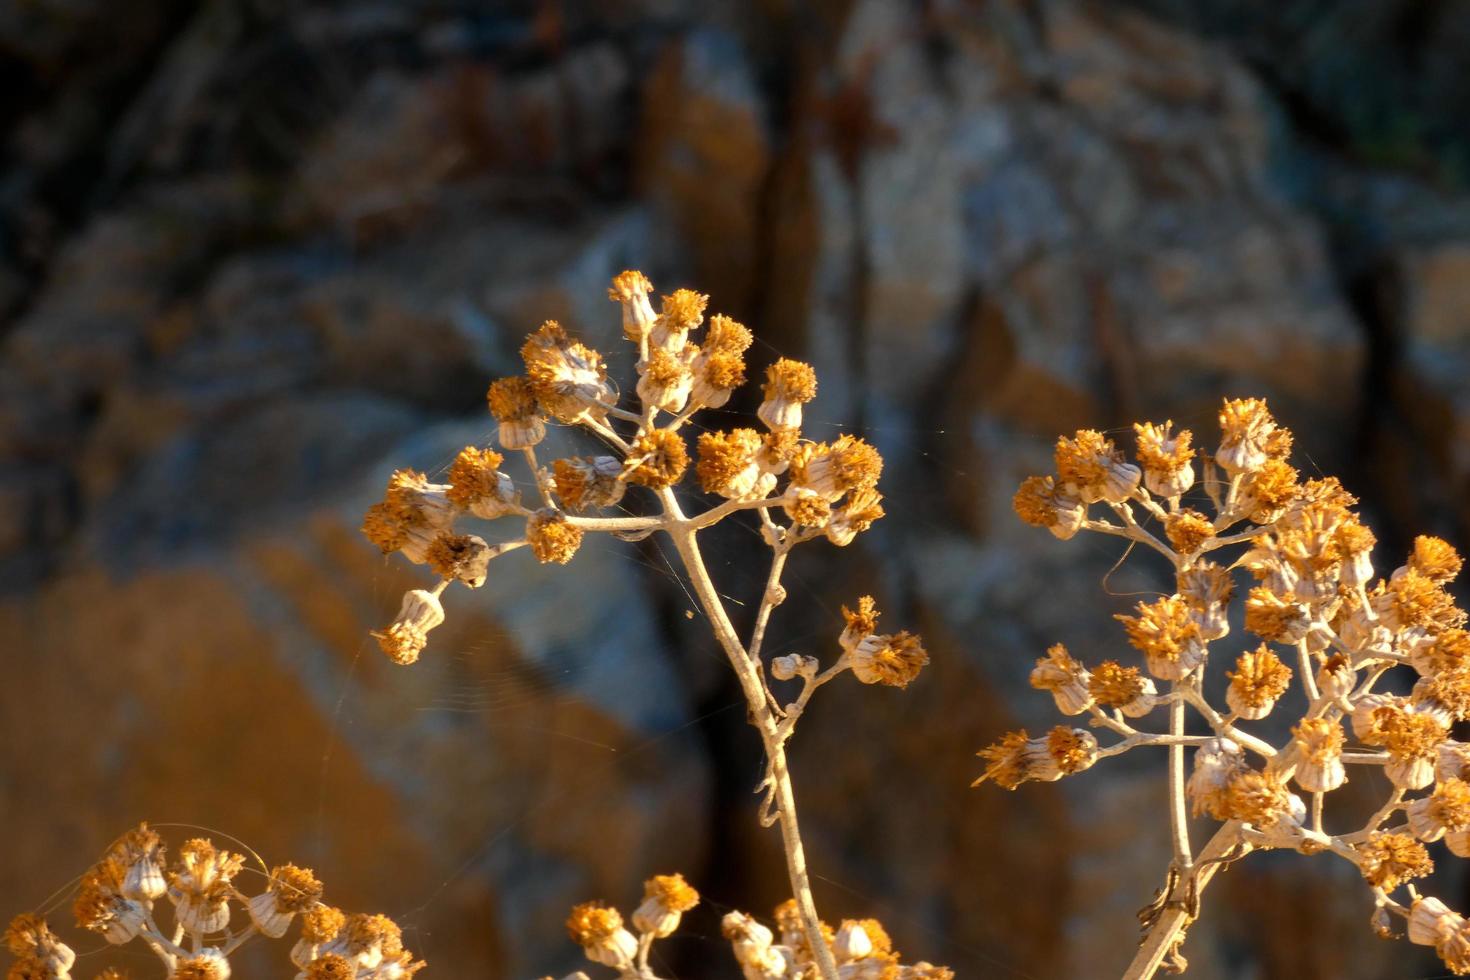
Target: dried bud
{"x": 793, "y": 665}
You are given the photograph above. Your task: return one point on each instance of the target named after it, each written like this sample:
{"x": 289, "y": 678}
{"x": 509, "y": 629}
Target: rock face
{"x": 252, "y": 260}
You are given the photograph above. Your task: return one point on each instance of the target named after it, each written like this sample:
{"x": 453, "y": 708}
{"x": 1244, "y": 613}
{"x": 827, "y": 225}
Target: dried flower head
{"x": 599, "y": 930}
{"x": 1125, "y": 688}
{"x": 1435, "y": 558}
{"x": 665, "y": 899}
{"x": 331, "y": 966}
{"x": 406, "y": 637}
{"x": 832, "y": 470}
{"x": 1388, "y": 860}
{"x": 588, "y": 482}
{"x": 1274, "y": 618}
{"x": 461, "y": 557}
{"x": 1094, "y": 468}
{"x": 892, "y": 660}
{"x": 1258, "y": 680}
{"x": 1017, "y": 757}
{"x": 321, "y": 923}
{"x": 1167, "y": 636}
{"x": 728, "y": 464}
{"x": 632, "y": 289}
{"x": 477, "y": 485}
{"x": 513, "y": 403}
{"x": 1166, "y": 458}
{"x": 551, "y": 537}
{"x": 1188, "y": 529}
{"x": 1246, "y": 429}
{"x": 1066, "y": 679}
{"x": 857, "y": 512}
{"x": 568, "y": 377}
{"x": 789, "y": 385}
{"x": 1041, "y": 503}
{"x": 860, "y": 623}
{"x": 658, "y": 459}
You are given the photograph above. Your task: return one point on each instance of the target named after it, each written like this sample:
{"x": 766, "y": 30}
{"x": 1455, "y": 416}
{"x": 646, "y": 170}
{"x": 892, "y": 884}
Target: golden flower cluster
{"x": 798, "y": 490}
{"x": 118, "y": 899}
{"x": 822, "y": 489}
{"x": 860, "y": 948}
{"x": 1313, "y": 599}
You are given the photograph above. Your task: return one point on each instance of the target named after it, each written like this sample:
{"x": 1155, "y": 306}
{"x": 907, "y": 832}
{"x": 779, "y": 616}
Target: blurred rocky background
{"x": 254, "y": 254}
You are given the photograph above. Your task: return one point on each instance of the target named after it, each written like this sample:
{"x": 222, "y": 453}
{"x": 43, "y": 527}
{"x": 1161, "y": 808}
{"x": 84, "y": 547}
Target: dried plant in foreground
{"x": 1325, "y": 623}
{"x": 118, "y": 899}
{"x": 860, "y": 948}
{"x": 798, "y": 491}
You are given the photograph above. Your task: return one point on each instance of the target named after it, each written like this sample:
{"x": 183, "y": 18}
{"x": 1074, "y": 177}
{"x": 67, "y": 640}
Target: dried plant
{"x": 118, "y": 898}
{"x": 1315, "y": 599}
{"x": 798, "y": 491}
{"x": 861, "y": 948}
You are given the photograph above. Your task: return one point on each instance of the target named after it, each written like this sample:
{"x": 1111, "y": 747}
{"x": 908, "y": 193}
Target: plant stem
{"x": 1173, "y": 920}
{"x": 760, "y": 716}
{"x": 1178, "y": 812}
